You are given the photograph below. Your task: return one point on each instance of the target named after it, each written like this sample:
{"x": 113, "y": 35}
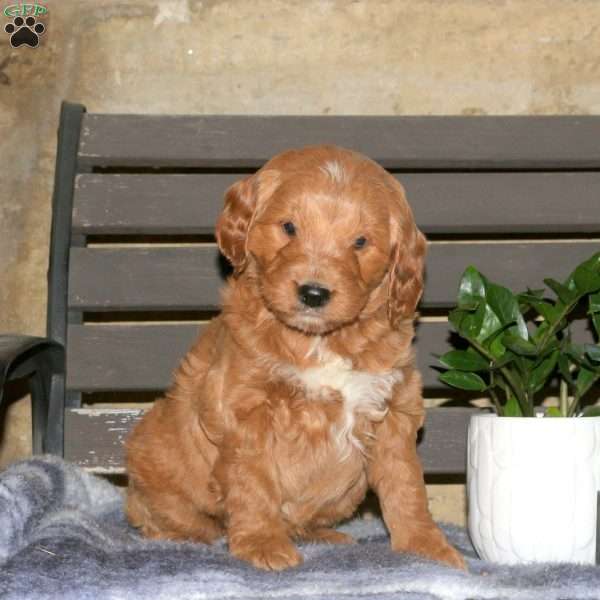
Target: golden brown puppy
{"x": 303, "y": 393}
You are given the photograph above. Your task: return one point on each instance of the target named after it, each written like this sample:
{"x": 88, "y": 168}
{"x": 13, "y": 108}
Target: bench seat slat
{"x": 94, "y": 438}
{"x": 189, "y": 278}
{"x": 143, "y": 357}
{"x": 432, "y": 143}
{"x": 488, "y": 203}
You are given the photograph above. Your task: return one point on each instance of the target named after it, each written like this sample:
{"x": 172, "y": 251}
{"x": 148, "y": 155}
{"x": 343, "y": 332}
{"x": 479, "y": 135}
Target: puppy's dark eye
{"x": 289, "y": 228}
{"x": 360, "y": 242}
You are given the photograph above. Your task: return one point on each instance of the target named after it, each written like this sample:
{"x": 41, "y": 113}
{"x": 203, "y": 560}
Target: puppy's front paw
{"x": 449, "y": 555}
{"x": 433, "y": 545}
{"x": 269, "y": 552}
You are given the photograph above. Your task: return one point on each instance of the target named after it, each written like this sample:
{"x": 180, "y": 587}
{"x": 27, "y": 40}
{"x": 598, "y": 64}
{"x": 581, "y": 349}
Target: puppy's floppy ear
{"x": 408, "y": 262}
{"x": 242, "y": 203}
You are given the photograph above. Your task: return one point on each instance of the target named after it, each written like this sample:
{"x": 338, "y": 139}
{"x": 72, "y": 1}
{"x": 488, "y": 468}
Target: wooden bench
{"x": 134, "y": 270}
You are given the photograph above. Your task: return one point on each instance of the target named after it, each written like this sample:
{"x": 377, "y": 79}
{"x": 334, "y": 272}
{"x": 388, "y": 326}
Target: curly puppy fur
{"x": 286, "y": 410}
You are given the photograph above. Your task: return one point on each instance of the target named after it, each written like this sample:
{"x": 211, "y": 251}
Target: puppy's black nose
{"x": 313, "y": 295}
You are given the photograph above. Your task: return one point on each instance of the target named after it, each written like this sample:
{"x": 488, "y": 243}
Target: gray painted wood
{"x": 179, "y": 278}
{"x": 396, "y": 142}
{"x": 443, "y": 441}
{"x": 126, "y": 357}
{"x": 137, "y": 278}
{"x": 505, "y": 203}
{"x": 143, "y": 357}
{"x": 443, "y": 203}
{"x": 94, "y": 439}
{"x": 514, "y": 265}
{"x": 149, "y": 204}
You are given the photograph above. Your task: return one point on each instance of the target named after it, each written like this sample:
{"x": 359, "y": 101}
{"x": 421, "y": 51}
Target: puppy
{"x": 303, "y": 393}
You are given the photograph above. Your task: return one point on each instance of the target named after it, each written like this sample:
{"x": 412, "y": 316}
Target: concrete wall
{"x": 267, "y": 56}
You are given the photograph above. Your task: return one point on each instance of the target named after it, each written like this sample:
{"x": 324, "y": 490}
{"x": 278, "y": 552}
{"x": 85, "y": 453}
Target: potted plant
{"x": 532, "y": 482}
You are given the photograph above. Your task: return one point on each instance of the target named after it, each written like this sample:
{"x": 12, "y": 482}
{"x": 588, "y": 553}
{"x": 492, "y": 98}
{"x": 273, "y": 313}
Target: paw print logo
{"x": 24, "y": 32}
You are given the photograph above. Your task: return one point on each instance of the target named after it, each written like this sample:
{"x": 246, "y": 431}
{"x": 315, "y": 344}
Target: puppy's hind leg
{"x": 171, "y": 517}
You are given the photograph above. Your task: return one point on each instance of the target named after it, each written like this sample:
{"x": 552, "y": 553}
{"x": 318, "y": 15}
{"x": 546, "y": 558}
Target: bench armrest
{"x": 44, "y": 360}
{"x": 19, "y": 356}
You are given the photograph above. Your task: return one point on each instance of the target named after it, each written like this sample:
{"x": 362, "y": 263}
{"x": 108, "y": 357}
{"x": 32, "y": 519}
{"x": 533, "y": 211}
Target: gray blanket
{"x": 63, "y": 536}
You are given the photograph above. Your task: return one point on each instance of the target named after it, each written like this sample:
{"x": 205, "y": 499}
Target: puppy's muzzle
{"x": 313, "y": 295}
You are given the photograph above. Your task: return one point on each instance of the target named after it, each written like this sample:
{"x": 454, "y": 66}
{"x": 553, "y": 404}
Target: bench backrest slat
{"x": 443, "y": 203}
{"x": 189, "y": 278}
{"x": 444, "y": 434}
{"x": 432, "y": 143}
{"x": 100, "y": 356}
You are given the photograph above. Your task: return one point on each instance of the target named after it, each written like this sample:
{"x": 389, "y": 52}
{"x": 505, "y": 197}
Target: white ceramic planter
{"x": 532, "y": 485}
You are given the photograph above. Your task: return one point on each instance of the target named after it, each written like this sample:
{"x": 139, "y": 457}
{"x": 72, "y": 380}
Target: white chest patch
{"x": 362, "y": 392}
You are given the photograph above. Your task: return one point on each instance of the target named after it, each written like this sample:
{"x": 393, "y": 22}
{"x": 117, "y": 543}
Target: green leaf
{"x": 563, "y": 365}
{"x": 537, "y": 293}
{"x": 587, "y": 275}
{"x": 591, "y": 411}
{"x": 471, "y": 289}
{"x": 485, "y": 308}
{"x": 463, "y": 360}
{"x": 595, "y": 311}
{"x": 512, "y": 408}
{"x": 585, "y": 380}
{"x": 565, "y": 295}
{"x": 490, "y": 325}
{"x": 493, "y": 343}
{"x": 455, "y": 318}
{"x": 473, "y": 323}
{"x": 527, "y": 299}
{"x": 577, "y": 354}
{"x": 497, "y": 348}
{"x": 519, "y": 346}
{"x": 593, "y": 351}
{"x": 506, "y": 307}
{"x": 541, "y": 373}
{"x": 595, "y": 303}
{"x": 524, "y": 365}
{"x": 587, "y": 280}
{"x": 596, "y": 322}
{"x": 541, "y": 331}
{"x": 468, "y": 324}
{"x": 504, "y": 360}
{"x": 552, "y": 345}
{"x": 546, "y": 310}
{"x": 464, "y": 381}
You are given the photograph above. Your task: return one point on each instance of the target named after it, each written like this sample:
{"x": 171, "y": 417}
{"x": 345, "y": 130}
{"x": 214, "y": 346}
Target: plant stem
{"x": 564, "y": 398}
{"x": 573, "y": 406}
{"x": 522, "y": 400}
{"x": 493, "y": 395}
{"x": 529, "y": 403}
